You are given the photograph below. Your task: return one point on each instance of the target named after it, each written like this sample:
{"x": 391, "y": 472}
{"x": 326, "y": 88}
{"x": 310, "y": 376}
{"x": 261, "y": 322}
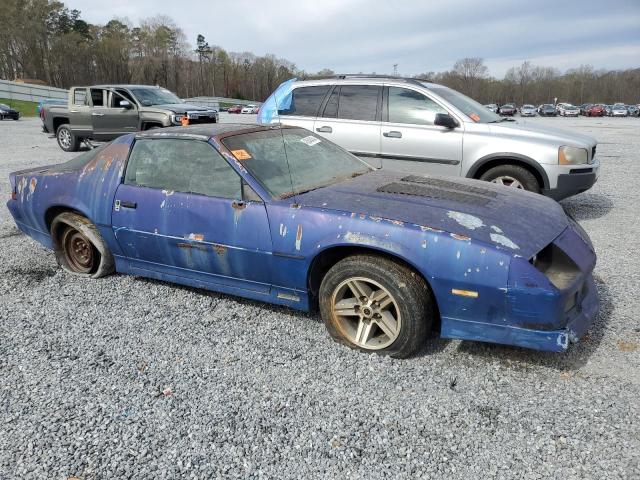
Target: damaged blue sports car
{"x": 285, "y": 216}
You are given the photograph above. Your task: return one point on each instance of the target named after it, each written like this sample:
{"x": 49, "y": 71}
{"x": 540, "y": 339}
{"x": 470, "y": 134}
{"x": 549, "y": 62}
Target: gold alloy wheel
{"x": 366, "y": 313}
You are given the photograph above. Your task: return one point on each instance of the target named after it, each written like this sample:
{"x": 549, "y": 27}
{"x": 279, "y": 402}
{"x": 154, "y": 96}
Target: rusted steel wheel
{"x": 79, "y": 247}
{"x": 375, "y": 304}
{"x": 78, "y": 251}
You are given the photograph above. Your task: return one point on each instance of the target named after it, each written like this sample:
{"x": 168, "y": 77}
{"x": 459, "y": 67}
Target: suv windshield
{"x": 472, "y": 109}
{"x": 154, "y": 96}
{"x": 291, "y": 160}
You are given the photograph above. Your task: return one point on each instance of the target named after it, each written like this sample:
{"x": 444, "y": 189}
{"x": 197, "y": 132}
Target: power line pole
{"x": 395, "y": 69}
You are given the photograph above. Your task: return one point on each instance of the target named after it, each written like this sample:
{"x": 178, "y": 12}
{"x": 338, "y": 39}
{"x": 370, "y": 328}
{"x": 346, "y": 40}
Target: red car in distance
{"x": 235, "y": 109}
{"x": 595, "y": 111}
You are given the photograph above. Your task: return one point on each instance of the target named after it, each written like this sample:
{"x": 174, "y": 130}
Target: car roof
{"x": 370, "y": 79}
{"x": 206, "y": 131}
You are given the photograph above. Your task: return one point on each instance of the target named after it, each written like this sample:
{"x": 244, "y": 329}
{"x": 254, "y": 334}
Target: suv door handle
{"x": 393, "y": 134}
{"x": 127, "y": 204}
{"x": 96, "y": 114}
{"x": 324, "y": 129}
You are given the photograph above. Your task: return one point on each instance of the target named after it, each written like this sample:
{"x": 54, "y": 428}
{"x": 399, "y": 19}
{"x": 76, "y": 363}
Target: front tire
{"x": 513, "y": 176}
{"x": 67, "y": 140}
{"x": 79, "y": 247}
{"x": 374, "y": 304}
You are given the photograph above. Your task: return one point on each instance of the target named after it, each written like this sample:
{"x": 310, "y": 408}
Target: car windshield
{"x": 291, "y": 161}
{"x": 472, "y": 109}
{"x": 527, "y": 106}
{"x": 4, "y": 107}
{"x": 154, "y": 96}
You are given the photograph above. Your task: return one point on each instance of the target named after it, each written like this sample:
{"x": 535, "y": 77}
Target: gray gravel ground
{"x": 256, "y": 391}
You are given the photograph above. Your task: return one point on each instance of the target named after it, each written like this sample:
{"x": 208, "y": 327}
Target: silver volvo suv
{"x": 420, "y": 127}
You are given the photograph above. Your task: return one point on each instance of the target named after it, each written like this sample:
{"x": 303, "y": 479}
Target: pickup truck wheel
{"x": 513, "y": 176}
{"x": 375, "y": 304}
{"x": 67, "y": 139}
{"x": 79, "y": 247}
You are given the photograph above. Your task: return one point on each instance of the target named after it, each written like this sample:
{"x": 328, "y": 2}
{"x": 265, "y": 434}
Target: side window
{"x": 331, "y": 108}
{"x": 189, "y": 166}
{"x": 358, "y": 102}
{"x": 97, "y": 97}
{"x": 116, "y": 97}
{"x": 408, "y": 106}
{"x": 80, "y": 96}
{"x": 305, "y": 101}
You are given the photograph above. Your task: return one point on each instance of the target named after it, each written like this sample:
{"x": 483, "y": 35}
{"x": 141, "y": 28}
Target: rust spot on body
{"x": 460, "y": 237}
{"x": 219, "y": 249}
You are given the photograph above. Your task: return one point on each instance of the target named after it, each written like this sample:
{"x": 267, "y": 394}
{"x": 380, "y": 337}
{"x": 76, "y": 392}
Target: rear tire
{"x": 391, "y": 315}
{"x": 79, "y": 247}
{"x": 67, "y": 140}
{"x": 512, "y": 176}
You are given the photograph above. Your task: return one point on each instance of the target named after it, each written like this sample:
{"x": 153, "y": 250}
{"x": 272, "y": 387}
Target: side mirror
{"x": 125, "y": 104}
{"x": 445, "y": 120}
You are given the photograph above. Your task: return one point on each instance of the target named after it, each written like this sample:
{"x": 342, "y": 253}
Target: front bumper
{"x": 570, "y": 184}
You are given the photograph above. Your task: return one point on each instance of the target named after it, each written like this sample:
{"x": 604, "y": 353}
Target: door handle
{"x": 393, "y": 134}
{"x": 324, "y": 129}
{"x": 126, "y": 204}
{"x": 74, "y": 111}
{"x": 95, "y": 114}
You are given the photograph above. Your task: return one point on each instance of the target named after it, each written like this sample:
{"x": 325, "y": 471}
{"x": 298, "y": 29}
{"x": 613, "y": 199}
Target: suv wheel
{"x": 513, "y": 176}
{"x": 66, "y": 139}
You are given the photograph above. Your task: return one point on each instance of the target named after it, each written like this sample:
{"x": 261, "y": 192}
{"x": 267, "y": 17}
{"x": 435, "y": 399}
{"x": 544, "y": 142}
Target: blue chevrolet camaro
{"x": 285, "y": 216}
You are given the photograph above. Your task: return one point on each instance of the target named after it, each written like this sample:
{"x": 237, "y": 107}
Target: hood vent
{"x": 441, "y": 189}
{"x": 439, "y": 182}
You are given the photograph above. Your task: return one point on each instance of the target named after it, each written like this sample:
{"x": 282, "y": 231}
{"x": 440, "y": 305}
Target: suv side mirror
{"x": 125, "y": 104}
{"x": 445, "y": 120}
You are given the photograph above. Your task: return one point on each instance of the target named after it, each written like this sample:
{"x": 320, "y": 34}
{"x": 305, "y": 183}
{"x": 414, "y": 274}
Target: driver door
{"x": 180, "y": 212}
{"x": 113, "y": 117}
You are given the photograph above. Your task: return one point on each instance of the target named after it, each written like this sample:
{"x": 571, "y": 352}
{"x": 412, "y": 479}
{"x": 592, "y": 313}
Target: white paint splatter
{"x": 283, "y": 230}
{"x": 496, "y": 229}
{"x": 502, "y": 240}
{"x": 458, "y": 254}
{"x": 466, "y": 220}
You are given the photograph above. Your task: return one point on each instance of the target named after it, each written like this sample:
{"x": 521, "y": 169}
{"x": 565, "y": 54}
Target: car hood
{"x": 180, "y": 108}
{"x": 518, "y": 221}
{"x": 551, "y": 134}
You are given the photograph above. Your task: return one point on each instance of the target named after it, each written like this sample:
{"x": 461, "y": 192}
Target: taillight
{"x": 14, "y": 195}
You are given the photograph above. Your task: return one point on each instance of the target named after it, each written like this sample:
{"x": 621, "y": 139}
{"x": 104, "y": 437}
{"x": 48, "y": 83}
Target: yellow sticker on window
{"x": 241, "y": 154}
{"x": 475, "y": 117}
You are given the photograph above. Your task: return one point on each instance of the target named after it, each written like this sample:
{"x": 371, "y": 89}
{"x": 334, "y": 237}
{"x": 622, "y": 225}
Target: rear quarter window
{"x": 305, "y": 101}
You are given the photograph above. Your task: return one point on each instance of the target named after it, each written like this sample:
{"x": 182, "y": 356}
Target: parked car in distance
{"x": 492, "y": 106}
{"x": 633, "y": 110}
{"x": 284, "y": 216}
{"x": 235, "y": 109}
{"x": 595, "y": 111}
{"x": 619, "y": 110}
{"x": 568, "y": 110}
{"x": 420, "y": 127}
{"x": 527, "y": 111}
{"x": 249, "y": 109}
{"x": 104, "y": 112}
{"x": 584, "y": 107}
{"x": 7, "y": 112}
{"x": 607, "y": 110}
{"x": 508, "y": 109}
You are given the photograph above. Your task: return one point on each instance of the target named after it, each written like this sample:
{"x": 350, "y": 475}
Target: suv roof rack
{"x": 390, "y": 77}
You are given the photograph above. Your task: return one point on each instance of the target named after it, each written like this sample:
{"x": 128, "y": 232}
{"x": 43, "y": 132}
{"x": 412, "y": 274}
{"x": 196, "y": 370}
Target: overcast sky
{"x": 350, "y": 36}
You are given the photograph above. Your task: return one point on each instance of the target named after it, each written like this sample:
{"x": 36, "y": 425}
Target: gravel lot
{"x": 256, "y": 391}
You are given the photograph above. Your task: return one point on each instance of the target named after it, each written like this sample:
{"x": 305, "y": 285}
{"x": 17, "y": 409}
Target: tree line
{"x": 45, "y": 40}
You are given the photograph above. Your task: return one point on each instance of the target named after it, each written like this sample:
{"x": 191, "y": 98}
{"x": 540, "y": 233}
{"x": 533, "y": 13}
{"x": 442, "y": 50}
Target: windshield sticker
{"x": 311, "y": 141}
{"x": 241, "y": 154}
{"x": 475, "y": 117}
